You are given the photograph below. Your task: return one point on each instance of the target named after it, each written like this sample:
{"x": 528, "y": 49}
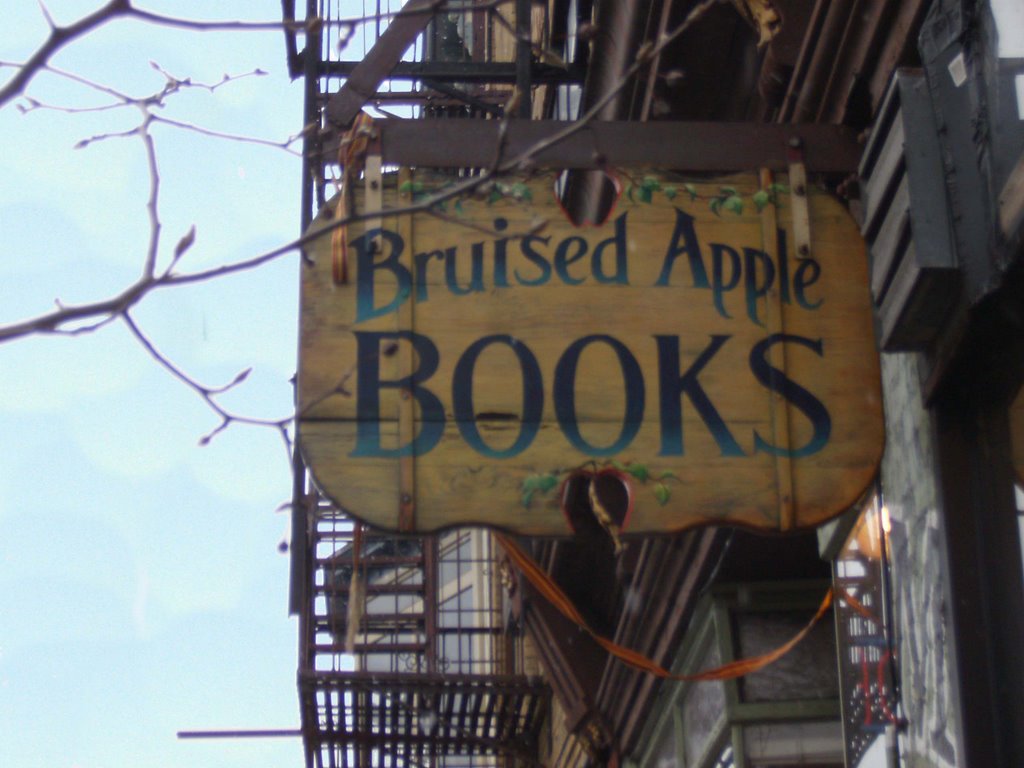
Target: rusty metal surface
{"x": 700, "y": 147}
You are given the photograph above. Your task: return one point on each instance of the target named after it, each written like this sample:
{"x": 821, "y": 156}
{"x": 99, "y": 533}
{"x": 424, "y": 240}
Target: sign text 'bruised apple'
{"x": 737, "y": 280}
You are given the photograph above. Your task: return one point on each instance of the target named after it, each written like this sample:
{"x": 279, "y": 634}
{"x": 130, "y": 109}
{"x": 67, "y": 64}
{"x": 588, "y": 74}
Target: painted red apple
{"x": 593, "y": 501}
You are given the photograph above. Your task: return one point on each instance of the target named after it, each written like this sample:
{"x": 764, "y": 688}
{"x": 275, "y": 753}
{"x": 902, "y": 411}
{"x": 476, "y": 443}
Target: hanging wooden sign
{"x": 704, "y": 356}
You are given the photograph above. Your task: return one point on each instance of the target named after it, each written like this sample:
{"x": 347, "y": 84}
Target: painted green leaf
{"x": 534, "y": 484}
{"x": 715, "y": 203}
{"x": 458, "y": 207}
{"x": 692, "y": 190}
{"x": 645, "y": 194}
{"x": 651, "y": 183}
{"x": 547, "y": 482}
{"x": 670, "y": 192}
{"x": 662, "y": 493}
{"x": 761, "y": 199}
{"x": 494, "y": 195}
{"x": 629, "y": 193}
{"x": 639, "y": 471}
{"x": 539, "y": 482}
{"x": 727, "y": 191}
{"x": 667, "y": 475}
{"x": 521, "y": 191}
{"x": 734, "y": 204}
{"x": 405, "y": 188}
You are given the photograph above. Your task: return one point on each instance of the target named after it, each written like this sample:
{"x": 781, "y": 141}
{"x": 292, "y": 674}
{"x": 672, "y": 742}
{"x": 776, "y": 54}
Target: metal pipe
{"x": 618, "y": 36}
{"x": 816, "y": 61}
{"x": 311, "y": 111}
{"x": 524, "y": 55}
{"x": 256, "y": 734}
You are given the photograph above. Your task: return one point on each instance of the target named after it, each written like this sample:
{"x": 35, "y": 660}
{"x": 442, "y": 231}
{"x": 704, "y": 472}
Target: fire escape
{"x": 423, "y": 677}
{"x": 406, "y": 657}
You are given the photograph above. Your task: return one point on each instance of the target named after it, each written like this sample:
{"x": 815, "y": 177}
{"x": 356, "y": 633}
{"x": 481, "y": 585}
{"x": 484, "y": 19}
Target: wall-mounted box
{"x": 914, "y": 274}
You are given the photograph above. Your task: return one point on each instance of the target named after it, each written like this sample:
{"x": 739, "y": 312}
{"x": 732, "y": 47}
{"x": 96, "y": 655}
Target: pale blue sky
{"x": 141, "y": 590}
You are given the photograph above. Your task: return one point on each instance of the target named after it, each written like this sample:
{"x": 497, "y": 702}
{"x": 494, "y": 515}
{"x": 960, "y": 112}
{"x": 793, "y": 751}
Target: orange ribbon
{"x": 738, "y": 668}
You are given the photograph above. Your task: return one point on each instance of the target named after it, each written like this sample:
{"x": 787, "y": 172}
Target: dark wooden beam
{"x": 985, "y": 574}
{"x": 571, "y": 660}
{"x": 690, "y": 563}
{"x": 689, "y": 146}
{"x": 971, "y": 390}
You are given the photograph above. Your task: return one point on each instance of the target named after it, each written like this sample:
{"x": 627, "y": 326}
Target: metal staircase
{"x": 427, "y": 676}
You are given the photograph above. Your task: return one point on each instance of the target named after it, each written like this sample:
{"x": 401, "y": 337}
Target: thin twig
{"x": 152, "y": 204}
{"x": 172, "y": 85}
{"x": 120, "y": 9}
{"x": 208, "y": 394}
{"x": 58, "y": 38}
{"x": 283, "y": 145}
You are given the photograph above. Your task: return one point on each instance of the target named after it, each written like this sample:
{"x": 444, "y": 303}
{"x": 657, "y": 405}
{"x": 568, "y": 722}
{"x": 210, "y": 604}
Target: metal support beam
{"x": 524, "y": 56}
{"x": 456, "y": 72}
{"x": 465, "y": 97}
{"x": 368, "y": 74}
{"x": 697, "y": 147}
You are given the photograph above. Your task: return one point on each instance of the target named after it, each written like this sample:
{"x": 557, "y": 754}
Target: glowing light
{"x": 886, "y": 522}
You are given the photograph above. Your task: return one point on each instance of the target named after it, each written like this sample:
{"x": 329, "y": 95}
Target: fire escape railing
{"x": 425, "y": 676}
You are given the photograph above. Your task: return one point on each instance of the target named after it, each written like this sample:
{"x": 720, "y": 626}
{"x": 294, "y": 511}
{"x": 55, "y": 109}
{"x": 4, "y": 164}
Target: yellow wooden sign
{"x": 705, "y": 356}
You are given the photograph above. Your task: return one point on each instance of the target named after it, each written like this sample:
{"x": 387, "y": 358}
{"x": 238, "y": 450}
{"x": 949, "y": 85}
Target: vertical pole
{"x": 524, "y": 55}
{"x": 775, "y": 322}
{"x": 311, "y": 159}
{"x": 892, "y": 753}
{"x": 430, "y": 546}
{"x": 739, "y": 747}
{"x": 406, "y": 405}
{"x": 985, "y": 573}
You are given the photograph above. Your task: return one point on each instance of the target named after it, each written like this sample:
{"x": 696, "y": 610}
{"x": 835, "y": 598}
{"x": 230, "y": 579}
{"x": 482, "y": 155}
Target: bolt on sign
{"x": 706, "y": 355}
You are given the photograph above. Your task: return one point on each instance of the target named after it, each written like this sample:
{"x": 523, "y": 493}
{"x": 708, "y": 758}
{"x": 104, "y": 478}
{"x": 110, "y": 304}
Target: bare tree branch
{"x": 121, "y": 9}
{"x": 285, "y": 145}
{"x": 54, "y": 321}
{"x": 172, "y": 85}
{"x": 152, "y": 204}
{"x": 209, "y": 394}
{"x": 87, "y": 317}
{"x": 59, "y": 37}
{"x": 67, "y": 319}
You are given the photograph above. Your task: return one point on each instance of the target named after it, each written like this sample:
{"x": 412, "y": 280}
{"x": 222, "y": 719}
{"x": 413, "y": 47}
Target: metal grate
{"x": 464, "y": 60}
{"x": 426, "y": 676}
{"x": 367, "y": 719}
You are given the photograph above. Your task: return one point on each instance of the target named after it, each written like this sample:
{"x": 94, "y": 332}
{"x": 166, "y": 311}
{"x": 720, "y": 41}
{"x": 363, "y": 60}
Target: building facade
{"x": 919, "y": 662}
